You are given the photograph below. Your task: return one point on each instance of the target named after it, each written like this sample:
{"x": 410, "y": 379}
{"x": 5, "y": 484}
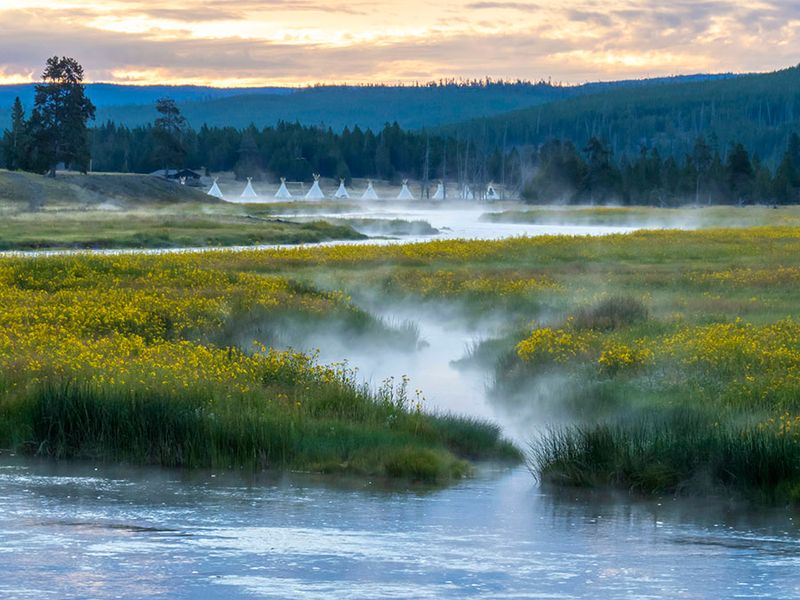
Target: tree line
{"x": 560, "y": 172}
{"x": 557, "y": 170}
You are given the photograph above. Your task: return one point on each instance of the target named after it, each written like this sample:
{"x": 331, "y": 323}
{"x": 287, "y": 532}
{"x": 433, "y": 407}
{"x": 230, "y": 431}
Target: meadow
{"x": 658, "y": 361}
{"x": 692, "y": 217}
{"x": 675, "y": 357}
{"x": 167, "y": 360}
{"x": 102, "y": 210}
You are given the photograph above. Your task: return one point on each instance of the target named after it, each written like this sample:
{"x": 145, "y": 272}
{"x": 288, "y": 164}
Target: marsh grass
{"x": 611, "y": 313}
{"x": 340, "y": 427}
{"x": 681, "y": 452}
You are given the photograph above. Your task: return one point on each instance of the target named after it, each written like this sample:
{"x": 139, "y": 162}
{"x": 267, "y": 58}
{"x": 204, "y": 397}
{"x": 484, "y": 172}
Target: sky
{"x": 233, "y": 43}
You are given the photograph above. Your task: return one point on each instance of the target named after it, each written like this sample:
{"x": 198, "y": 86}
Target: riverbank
{"x": 647, "y": 217}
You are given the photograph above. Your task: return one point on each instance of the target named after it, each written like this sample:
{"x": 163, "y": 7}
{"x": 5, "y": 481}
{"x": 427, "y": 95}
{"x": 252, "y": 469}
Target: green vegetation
{"x": 135, "y": 211}
{"x": 759, "y": 110}
{"x": 183, "y": 228}
{"x": 676, "y": 452}
{"x": 346, "y": 106}
{"x": 28, "y": 191}
{"x": 650, "y": 217}
{"x": 167, "y": 360}
{"x": 673, "y": 357}
{"x": 678, "y": 350}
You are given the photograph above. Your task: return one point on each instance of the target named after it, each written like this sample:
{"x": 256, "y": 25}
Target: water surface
{"x": 80, "y": 531}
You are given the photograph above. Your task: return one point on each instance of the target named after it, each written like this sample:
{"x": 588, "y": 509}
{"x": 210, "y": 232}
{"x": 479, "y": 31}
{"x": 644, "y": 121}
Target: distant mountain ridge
{"x": 112, "y": 94}
{"x": 413, "y": 107}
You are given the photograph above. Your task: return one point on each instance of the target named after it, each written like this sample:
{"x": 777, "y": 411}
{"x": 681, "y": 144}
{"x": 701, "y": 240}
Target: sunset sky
{"x": 296, "y": 42}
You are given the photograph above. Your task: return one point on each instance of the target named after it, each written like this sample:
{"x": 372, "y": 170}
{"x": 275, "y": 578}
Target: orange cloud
{"x": 294, "y": 42}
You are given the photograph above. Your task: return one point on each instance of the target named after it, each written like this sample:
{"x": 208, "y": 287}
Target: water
{"x": 80, "y": 530}
{"x": 462, "y": 222}
{"x": 453, "y": 223}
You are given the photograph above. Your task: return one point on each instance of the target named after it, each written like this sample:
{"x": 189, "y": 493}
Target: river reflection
{"x": 76, "y": 530}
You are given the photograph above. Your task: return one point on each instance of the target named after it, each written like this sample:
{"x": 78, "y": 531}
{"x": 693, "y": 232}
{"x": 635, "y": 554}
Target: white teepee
{"x": 405, "y": 193}
{"x": 215, "y": 191}
{"x": 491, "y": 193}
{"x": 466, "y": 193}
{"x": 342, "y": 191}
{"x": 439, "y": 195}
{"x": 315, "y": 193}
{"x": 249, "y": 192}
{"x": 369, "y": 193}
{"x": 283, "y": 192}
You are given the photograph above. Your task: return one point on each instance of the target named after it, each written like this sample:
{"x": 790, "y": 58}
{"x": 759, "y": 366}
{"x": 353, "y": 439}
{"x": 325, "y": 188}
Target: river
{"x": 79, "y": 530}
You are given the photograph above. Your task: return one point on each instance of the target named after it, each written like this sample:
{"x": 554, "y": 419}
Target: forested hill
{"x": 109, "y": 94}
{"x": 758, "y": 110}
{"x": 412, "y": 107}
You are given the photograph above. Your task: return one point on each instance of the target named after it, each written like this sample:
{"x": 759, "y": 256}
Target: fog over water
{"x": 80, "y": 530}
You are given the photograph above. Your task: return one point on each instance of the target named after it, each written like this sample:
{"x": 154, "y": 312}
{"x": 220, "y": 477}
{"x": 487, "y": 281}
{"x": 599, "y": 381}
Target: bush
{"x": 612, "y": 313}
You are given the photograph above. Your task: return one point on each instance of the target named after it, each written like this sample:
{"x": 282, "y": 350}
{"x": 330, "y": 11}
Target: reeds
{"x": 681, "y": 452}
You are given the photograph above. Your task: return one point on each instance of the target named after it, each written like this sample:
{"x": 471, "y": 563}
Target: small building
{"x": 184, "y": 176}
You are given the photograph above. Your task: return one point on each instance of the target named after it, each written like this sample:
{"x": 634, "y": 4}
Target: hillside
{"x": 37, "y": 191}
{"x": 108, "y": 94}
{"x": 333, "y": 106}
{"x": 759, "y": 110}
{"x": 338, "y": 107}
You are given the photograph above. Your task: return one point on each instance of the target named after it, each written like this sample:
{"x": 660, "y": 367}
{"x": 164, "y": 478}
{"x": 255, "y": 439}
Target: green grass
{"x": 334, "y": 428}
{"x": 137, "y": 211}
{"x": 619, "y": 291}
{"x": 668, "y": 454}
{"x": 136, "y": 230}
{"x": 649, "y": 217}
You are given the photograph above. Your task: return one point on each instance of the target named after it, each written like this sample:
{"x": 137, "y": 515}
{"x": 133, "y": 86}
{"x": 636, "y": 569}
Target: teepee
{"x": 466, "y": 193}
{"x": 249, "y": 192}
{"x": 369, "y": 193}
{"x": 215, "y": 191}
{"x": 491, "y": 193}
{"x": 342, "y": 191}
{"x": 315, "y": 193}
{"x": 439, "y": 195}
{"x": 405, "y": 193}
{"x": 283, "y": 192}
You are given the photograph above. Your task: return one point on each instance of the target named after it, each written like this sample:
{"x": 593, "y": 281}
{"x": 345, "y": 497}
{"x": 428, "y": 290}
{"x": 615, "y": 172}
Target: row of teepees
{"x": 315, "y": 193}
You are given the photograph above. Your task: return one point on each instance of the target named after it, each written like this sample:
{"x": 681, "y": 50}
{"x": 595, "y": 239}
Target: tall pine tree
{"x": 59, "y": 133}
{"x": 15, "y": 140}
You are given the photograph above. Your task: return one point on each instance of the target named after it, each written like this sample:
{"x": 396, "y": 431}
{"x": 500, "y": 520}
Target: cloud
{"x": 248, "y": 42}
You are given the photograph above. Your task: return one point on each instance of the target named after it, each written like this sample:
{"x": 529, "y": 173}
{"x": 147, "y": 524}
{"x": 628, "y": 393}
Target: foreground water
{"x": 80, "y": 531}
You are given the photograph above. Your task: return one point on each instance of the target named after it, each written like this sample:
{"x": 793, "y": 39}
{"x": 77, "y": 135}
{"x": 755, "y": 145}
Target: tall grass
{"x": 611, "y": 313}
{"x": 334, "y": 428}
{"x": 680, "y": 452}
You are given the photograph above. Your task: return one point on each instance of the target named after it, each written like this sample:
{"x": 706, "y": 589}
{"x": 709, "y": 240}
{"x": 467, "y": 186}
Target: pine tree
{"x": 58, "y": 122}
{"x": 787, "y": 175}
{"x": 168, "y": 130}
{"x": 15, "y": 140}
{"x": 740, "y": 173}
{"x": 701, "y": 158}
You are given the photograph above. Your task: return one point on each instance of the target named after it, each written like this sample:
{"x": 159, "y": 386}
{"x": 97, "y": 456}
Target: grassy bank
{"x": 167, "y": 360}
{"x": 692, "y": 452}
{"x": 176, "y": 227}
{"x": 650, "y": 217}
{"x": 137, "y": 211}
{"x": 36, "y": 192}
